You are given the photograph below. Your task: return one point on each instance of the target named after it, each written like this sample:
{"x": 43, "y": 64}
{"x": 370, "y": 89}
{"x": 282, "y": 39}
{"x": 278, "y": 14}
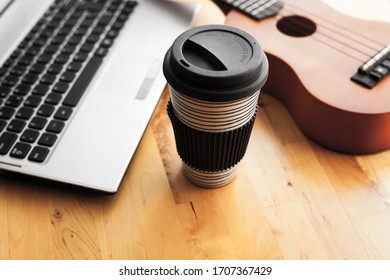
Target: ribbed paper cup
{"x": 213, "y": 116}
{"x": 210, "y": 158}
{"x": 215, "y": 74}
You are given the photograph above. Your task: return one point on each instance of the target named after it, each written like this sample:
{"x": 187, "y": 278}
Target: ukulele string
{"x": 301, "y": 30}
{"x": 344, "y": 35}
{"x": 338, "y": 26}
{"x": 333, "y": 36}
{"x": 380, "y": 44}
{"x": 333, "y": 43}
{"x": 299, "y": 25}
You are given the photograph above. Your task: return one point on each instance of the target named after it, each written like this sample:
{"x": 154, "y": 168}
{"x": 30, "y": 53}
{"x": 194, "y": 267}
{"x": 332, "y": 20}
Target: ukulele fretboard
{"x": 257, "y": 9}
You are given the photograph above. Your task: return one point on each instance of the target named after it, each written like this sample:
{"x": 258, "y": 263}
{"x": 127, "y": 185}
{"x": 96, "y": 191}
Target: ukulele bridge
{"x": 374, "y": 70}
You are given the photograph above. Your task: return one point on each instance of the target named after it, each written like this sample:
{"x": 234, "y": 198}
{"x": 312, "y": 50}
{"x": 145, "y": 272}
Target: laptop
{"x": 79, "y": 81}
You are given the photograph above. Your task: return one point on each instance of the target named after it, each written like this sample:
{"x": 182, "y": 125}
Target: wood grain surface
{"x": 291, "y": 199}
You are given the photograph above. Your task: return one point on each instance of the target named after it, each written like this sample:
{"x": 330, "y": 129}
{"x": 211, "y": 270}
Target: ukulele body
{"x": 311, "y": 75}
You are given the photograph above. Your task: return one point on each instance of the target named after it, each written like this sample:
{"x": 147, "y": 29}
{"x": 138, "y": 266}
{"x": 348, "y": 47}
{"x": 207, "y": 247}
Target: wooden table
{"x": 292, "y": 199}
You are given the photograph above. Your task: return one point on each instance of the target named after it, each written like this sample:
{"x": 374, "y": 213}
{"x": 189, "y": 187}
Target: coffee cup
{"x": 215, "y": 74}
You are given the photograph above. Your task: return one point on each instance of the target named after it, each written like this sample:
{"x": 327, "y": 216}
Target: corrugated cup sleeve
{"x": 210, "y": 152}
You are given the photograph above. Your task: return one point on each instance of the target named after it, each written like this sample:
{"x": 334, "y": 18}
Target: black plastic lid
{"x": 216, "y": 63}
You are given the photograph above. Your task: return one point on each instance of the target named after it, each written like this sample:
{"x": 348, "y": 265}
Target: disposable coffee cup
{"x": 215, "y": 74}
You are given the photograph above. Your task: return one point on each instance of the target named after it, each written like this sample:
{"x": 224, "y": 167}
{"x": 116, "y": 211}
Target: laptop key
{"x": 112, "y": 34}
{"x": 24, "y": 113}
{"x": 92, "y": 7}
{"x": 26, "y": 60}
{"x": 20, "y": 150}
{"x": 32, "y": 101}
{"x": 93, "y": 38}
{"x": 53, "y": 99}
{"x": 44, "y": 58}
{"x": 3, "y": 124}
{"x": 22, "y": 89}
{"x": 54, "y": 68}
{"x": 16, "y": 126}
{"x": 48, "y": 79}
{"x": 101, "y": 52}
{"x": 68, "y": 5}
{"x": 29, "y": 135}
{"x": 87, "y": 47}
{"x": 106, "y": 43}
{"x": 98, "y": 30}
{"x": 45, "y": 110}
{"x": 80, "y": 57}
{"x": 81, "y": 31}
{"x": 75, "y": 40}
{"x": 40, "y": 90}
{"x": 6, "y": 113}
{"x": 38, "y": 154}
{"x": 3, "y": 71}
{"x": 30, "y": 79}
{"x": 67, "y": 77}
{"x": 18, "y": 70}
{"x": 55, "y": 126}
{"x": 9, "y": 62}
{"x": 4, "y": 91}
{"x": 37, "y": 68}
{"x": 60, "y": 87}
{"x": 74, "y": 67}
{"x": 6, "y": 141}
{"x": 47, "y": 139}
{"x": 77, "y": 90}
{"x": 68, "y": 50}
{"x": 51, "y": 49}
{"x": 63, "y": 113}
{"x": 14, "y": 101}
{"x": 62, "y": 59}
{"x": 10, "y": 81}
{"x": 15, "y": 54}
{"x": 37, "y": 123}
{"x": 105, "y": 19}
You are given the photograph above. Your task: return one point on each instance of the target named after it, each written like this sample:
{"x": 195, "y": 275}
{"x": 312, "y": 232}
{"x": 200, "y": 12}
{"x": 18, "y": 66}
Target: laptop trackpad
{"x": 129, "y": 74}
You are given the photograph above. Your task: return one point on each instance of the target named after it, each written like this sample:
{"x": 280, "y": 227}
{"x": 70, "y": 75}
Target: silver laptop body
{"x": 103, "y": 133}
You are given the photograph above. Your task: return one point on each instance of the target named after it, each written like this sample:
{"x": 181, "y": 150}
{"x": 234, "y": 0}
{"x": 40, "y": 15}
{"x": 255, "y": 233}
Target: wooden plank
{"x": 295, "y": 233}
{"x": 142, "y": 222}
{"x": 291, "y": 199}
{"x": 324, "y": 182}
{"x": 249, "y": 229}
{"x": 74, "y": 228}
{"x": 28, "y": 218}
{"x": 4, "y": 250}
{"x": 206, "y": 230}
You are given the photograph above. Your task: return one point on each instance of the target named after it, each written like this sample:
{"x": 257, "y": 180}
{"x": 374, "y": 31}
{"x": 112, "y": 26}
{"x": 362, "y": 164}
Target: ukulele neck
{"x": 256, "y": 9}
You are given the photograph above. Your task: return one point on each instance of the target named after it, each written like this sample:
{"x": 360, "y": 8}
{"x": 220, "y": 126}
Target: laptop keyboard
{"x": 43, "y": 80}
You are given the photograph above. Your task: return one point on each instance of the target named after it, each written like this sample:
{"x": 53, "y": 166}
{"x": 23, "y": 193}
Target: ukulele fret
{"x": 257, "y": 9}
{"x": 374, "y": 70}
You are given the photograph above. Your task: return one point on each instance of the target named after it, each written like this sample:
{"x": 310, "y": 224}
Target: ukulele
{"x": 331, "y": 71}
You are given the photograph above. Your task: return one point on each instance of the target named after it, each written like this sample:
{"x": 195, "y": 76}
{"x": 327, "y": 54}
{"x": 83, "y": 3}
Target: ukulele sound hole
{"x": 296, "y": 26}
